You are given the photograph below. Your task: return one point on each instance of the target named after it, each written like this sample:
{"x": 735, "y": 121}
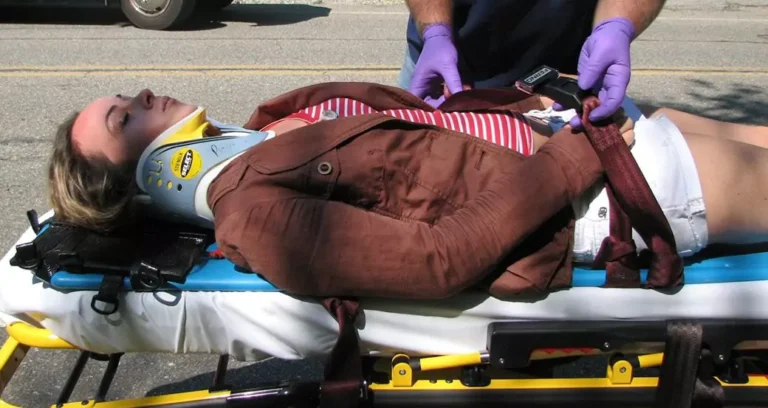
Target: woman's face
{"x": 121, "y": 127}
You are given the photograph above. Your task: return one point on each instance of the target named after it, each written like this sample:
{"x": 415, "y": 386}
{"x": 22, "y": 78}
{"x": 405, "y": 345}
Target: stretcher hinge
{"x": 621, "y": 368}
{"x": 473, "y": 367}
{"x": 621, "y": 372}
{"x": 402, "y": 372}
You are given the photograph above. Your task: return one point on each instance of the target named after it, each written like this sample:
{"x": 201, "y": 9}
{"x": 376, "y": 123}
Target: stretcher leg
{"x": 109, "y": 375}
{"x": 221, "y": 373}
{"x": 22, "y": 337}
{"x": 12, "y": 353}
{"x": 74, "y": 377}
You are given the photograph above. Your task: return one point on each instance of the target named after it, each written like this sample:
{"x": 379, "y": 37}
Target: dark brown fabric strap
{"x": 343, "y": 370}
{"x": 632, "y": 205}
{"x": 618, "y": 253}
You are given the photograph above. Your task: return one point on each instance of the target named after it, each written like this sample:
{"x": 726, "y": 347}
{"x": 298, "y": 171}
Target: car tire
{"x": 212, "y": 5}
{"x": 158, "y": 14}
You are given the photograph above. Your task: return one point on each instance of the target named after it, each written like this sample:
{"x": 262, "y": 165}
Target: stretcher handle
{"x": 37, "y": 337}
{"x": 443, "y": 362}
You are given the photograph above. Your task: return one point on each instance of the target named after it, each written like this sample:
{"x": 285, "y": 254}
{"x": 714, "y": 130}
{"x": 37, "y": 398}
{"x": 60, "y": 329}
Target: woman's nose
{"x": 145, "y": 98}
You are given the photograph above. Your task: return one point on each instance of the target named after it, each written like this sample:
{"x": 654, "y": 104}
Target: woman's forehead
{"x": 93, "y": 118}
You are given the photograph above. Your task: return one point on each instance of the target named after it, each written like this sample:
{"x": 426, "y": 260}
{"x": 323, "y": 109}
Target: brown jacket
{"x": 374, "y": 206}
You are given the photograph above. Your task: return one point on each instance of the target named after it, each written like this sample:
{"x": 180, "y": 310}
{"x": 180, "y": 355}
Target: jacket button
{"x": 324, "y": 168}
{"x": 328, "y": 115}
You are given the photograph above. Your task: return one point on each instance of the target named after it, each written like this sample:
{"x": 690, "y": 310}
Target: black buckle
{"x": 26, "y": 256}
{"x": 110, "y": 287}
{"x": 34, "y": 221}
{"x": 145, "y": 277}
{"x": 55, "y": 260}
{"x": 547, "y": 81}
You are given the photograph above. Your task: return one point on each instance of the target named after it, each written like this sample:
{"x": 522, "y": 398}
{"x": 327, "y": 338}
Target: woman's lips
{"x": 167, "y": 102}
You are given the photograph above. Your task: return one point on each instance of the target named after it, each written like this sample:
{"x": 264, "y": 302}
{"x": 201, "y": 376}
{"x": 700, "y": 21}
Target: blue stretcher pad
{"x": 223, "y": 275}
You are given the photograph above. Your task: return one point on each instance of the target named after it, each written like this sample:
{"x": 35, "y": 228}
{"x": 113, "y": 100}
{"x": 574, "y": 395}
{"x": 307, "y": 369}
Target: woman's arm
{"x": 311, "y": 246}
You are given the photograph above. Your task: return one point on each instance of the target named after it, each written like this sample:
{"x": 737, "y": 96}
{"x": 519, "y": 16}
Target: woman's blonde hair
{"x": 88, "y": 192}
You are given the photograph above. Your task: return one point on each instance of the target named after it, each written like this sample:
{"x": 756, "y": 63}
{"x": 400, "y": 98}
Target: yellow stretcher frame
{"x": 427, "y": 377}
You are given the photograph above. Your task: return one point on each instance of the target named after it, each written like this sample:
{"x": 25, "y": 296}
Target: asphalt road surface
{"x": 709, "y": 57}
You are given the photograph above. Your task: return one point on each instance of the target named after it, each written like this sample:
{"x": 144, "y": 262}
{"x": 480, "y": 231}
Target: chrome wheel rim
{"x": 150, "y": 7}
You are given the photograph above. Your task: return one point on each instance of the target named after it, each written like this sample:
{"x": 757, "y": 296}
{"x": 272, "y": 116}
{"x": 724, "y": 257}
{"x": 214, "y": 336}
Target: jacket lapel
{"x": 509, "y": 99}
{"x": 379, "y": 97}
{"x": 383, "y": 97}
{"x": 299, "y": 146}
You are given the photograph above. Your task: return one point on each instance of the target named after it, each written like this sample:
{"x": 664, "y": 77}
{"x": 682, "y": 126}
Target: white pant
{"x": 666, "y": 162}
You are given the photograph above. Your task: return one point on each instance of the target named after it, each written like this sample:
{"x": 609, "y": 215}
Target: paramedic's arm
{"x": 426, "y": 12}
{"x": 641, "y": 13}
{"x": 310, "y": 246}
{"x": 439, "y": 57}
{"x": 605, "y": 58}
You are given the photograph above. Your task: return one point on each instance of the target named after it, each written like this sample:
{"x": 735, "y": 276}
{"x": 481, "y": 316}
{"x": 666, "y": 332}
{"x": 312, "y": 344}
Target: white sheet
{"x": 254, "y": 326}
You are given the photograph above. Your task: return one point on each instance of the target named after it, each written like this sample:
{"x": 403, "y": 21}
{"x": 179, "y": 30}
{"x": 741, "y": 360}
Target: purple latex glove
{"x": 604, "y": 63}
{"x": 438, "y": 58}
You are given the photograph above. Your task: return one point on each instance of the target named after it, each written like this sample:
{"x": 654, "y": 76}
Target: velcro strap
{"x": 343, "y": 377}
{"x": 618, "y": 252}
{"x": 679, "y": 368}
{"x": 632, "y": 194}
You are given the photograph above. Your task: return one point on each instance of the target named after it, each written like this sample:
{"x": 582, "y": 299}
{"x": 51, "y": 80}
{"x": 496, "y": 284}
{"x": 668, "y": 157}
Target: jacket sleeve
{"x": 311, "y": 246}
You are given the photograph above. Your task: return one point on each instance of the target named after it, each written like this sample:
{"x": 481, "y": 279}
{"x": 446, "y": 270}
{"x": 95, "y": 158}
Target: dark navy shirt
{"x": 499, "y": 41}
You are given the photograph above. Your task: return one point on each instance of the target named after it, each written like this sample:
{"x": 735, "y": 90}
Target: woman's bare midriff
{"x": 542, "y": 131}
{"x": 285, "y": 125}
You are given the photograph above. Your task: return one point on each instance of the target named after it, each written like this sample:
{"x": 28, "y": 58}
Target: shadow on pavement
{"x": 90, "y": 15}
{"x": 74, "y": 15}
{"x": 740, "y": 104}
{"x": 266, "y": 372}
{"x": 263, "y": 14}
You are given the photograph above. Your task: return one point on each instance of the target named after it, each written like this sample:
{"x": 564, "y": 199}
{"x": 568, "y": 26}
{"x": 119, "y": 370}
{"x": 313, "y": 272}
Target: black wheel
{"x": 158, "y": 14}
{"x": 212, "y": 5}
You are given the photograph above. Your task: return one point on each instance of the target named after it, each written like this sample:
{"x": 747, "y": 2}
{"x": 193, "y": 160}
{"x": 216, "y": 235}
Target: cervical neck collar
{"x": 175, "y": 170}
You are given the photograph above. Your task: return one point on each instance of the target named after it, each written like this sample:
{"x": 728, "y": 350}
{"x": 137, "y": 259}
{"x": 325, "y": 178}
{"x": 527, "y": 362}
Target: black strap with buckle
{"x": 144, "y": 256}
{"x": 547, "y": 82}
{"x": 145, "y": 277}
{"x": 108, "y": 293}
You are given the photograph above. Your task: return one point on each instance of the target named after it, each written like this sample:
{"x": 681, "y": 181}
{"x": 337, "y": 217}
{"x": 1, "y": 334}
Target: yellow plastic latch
{"x": 650, "y": 360}
{"x": 620, "y": 372}
{"x": 402, "y": 373}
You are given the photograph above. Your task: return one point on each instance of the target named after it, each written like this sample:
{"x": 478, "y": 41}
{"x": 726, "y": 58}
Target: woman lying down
{"x": 356, "y": 189}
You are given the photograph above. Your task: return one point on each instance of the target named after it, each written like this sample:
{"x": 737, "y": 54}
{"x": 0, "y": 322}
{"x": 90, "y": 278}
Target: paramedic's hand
{"x": 438, "y": 58}
{"x": 604, "y": 64}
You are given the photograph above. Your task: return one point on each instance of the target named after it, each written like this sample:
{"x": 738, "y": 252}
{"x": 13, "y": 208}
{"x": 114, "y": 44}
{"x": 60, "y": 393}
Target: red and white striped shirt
{"x": 504, "y": 129}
